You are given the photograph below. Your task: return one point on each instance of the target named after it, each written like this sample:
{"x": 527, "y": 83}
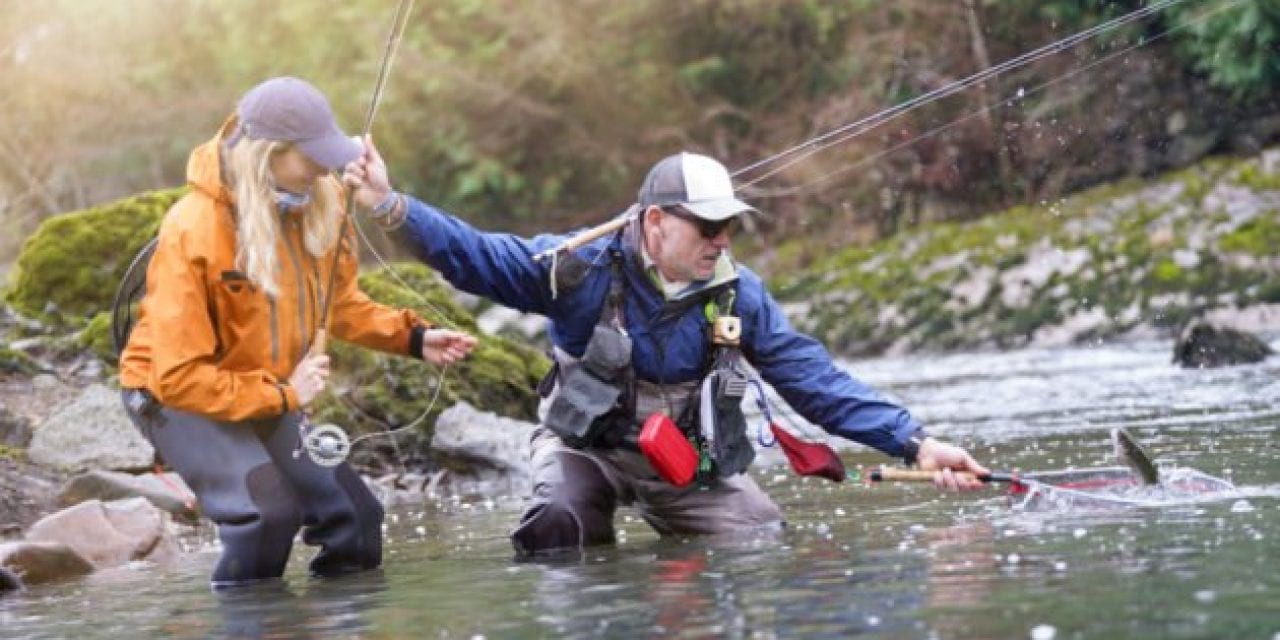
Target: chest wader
{"x": 596, "y": 397}
{"x": 721, "y": 431}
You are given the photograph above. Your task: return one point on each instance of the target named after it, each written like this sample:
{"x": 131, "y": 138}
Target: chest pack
{"x": 594, "y": 403}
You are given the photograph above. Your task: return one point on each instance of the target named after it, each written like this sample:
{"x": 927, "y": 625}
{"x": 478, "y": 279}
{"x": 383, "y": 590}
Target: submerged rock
{"x": 38, "y": 562}
{"x": 167, "y": 491}
{"x": 1203, "y": 345}
{"x": 110, "y": 534}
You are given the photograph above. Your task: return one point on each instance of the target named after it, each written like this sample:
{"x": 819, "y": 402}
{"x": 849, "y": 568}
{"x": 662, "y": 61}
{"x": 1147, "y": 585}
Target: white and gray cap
{"x": 292, "y": 110}
{"x": 697, "y": 183}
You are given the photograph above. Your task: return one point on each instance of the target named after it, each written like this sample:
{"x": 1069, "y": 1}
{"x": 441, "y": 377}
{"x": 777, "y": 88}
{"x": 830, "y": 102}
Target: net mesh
{"x": 1110, "y": 488}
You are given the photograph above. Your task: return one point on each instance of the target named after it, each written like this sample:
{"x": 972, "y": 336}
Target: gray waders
{"x": 249, "y": 482}
{"x": 577, "y": 491}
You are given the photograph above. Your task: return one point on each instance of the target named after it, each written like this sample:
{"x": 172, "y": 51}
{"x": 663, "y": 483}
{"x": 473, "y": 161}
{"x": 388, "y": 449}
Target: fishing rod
{"x": 398, "y": 23}
{"x": 1009, "y": 100}
{"x": 841, "y": 134}
{"x": 892, "y": 474}
{"x": 329, "y": 445}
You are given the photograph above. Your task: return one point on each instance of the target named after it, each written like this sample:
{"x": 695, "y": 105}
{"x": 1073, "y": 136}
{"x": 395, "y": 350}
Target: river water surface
{"x": 890, "y": 561}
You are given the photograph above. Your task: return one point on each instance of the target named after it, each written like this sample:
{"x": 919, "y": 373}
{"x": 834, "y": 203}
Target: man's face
{"x": 680, "y": 246}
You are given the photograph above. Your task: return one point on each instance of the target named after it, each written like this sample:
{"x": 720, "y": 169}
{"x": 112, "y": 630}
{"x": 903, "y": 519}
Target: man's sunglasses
{"x": 708, "y": 229}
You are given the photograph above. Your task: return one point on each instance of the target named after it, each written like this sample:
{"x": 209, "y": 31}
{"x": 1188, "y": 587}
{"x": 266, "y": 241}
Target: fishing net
{"x": 1110, "y": 488}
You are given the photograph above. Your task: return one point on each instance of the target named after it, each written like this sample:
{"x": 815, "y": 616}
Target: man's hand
{"x": 943, "y": 459}
{"x": 367, "y": 176}
{"x": 442, "y": 346}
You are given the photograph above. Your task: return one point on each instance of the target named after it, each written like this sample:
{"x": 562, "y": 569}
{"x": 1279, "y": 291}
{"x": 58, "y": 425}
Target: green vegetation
{"x": 1125, "y": 250}
{"x": 68, "y": 270}
{"x": 378, "y": 390}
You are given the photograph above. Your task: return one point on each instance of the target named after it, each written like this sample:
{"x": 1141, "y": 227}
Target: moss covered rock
{"x": 1097, "y": 264}
{"x": 373, "y": 391}
{"x": 96, "y": 338}
{"x": 68, "y": 269}
{"x": 12, "y": 361}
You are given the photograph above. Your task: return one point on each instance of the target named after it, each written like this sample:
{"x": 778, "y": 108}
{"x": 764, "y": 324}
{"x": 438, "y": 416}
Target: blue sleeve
{"x": 802, "y": 371}
{"x": 498, "y": 266}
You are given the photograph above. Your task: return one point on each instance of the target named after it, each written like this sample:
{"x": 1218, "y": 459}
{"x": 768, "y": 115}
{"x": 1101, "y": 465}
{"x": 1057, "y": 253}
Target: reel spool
{"x": 327, "y": 445}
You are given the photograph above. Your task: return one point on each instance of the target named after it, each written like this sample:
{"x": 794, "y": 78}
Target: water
{"x": 885, "y": 562}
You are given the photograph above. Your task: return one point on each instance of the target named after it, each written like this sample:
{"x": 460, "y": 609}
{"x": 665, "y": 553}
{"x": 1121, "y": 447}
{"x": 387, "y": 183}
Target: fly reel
{"x": 327, "y": 445}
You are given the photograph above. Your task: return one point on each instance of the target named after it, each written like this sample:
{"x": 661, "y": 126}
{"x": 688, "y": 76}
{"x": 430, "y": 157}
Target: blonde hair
{"x": 248, "y": 165}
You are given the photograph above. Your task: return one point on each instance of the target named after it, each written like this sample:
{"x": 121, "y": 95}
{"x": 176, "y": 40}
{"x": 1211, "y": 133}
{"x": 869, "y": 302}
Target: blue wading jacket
{"x": 670, "y": 340}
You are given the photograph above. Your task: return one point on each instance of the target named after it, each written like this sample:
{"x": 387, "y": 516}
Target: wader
{"x": 248, "y": 481}
{"x": 584, "y": 463}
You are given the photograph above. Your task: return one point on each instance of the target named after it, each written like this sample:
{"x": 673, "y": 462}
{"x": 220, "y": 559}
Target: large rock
{"x": 379, "y": 391}
{"x": 483, "y": 450}
{"x": 91, "y": 432}
{"x": 68, "y": 269}
{"x": 36, "y": 562}
{"x": 110, "y": 534}
{"x": 1202, "y": 345}
{"x": 15, "y": 430}
{"x": 166, "y": 491}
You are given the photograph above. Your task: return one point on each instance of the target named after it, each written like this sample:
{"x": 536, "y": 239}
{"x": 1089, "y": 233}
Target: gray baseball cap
{"x": 292, "y": 110}
{"x": 697, "y": 183}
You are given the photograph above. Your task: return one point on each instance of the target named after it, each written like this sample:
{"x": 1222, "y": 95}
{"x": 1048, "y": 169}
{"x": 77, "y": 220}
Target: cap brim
{"x": 720, "y": 209}
{"x": 333, "y": 150}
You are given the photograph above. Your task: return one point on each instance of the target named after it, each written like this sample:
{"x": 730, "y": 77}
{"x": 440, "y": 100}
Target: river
{"x": 887, "y": 561}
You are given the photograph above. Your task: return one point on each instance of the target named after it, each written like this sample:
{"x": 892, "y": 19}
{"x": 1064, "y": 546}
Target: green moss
{"x": 1259, "y": 237}
{"x": 68, "y": 269}
{"x": 12, "y": 453}
{"x": 12, "y": 361}
{"x": 96, "y": 337}
{"x": 378, "y": 389}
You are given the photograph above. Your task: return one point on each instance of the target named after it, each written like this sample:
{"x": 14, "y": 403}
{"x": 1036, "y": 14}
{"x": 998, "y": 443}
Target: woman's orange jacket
{"x": 209, "y": 342}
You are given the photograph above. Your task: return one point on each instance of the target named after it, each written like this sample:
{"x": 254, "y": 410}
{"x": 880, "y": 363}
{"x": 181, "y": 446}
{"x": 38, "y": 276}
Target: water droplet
{"x": 1206, "y": 596}
{"x": 1013, "y": 558}
{"x": 1080, "y": 533}
{"x": 1060, "y": 566}
{"x": 1241, "y": 506}
{"x": 873, "y": 621}
{"x": 1043, "y": 632}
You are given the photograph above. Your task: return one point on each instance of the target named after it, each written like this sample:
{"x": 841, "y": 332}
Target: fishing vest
{"x": 593, "y": 401}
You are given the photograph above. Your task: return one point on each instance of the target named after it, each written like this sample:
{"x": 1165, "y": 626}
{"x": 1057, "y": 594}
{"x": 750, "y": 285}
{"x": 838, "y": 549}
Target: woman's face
{"x": 293, "y": 171}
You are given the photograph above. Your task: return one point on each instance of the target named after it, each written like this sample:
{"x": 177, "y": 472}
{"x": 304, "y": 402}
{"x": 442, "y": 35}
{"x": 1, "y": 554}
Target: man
{"x": 630, "y": 318}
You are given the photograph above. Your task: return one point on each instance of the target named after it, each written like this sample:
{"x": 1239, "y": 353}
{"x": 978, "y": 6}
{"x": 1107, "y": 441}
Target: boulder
{"x": 36, "y": 562}
{"x": 9, "y": 581}
{"x": 68, "y": 269}
{"x": 109, "y": 534}
{"x": 487, "y": 439}
{"x": 1203, "y": 345}
{"x": 374, "y": 392}
{"x": 15, "y": 430}
{"x": 91, "y": 432}
{"x": 166, "y": 491}
{"x": 482, "y": 450}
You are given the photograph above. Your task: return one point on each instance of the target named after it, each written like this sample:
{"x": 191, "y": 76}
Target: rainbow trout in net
{"x": 1138, "y": 484}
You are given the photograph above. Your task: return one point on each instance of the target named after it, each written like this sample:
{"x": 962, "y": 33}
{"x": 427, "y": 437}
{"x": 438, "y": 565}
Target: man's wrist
{"x": 911, "y": 448}
{"x": 390, "y": 213}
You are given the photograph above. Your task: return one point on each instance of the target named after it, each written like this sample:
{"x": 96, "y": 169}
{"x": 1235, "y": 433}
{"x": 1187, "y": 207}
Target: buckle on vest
{"x": 727, "y": 331}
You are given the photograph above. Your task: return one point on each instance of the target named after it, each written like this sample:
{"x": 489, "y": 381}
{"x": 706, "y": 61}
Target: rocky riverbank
{"x": 1134, "y": 258}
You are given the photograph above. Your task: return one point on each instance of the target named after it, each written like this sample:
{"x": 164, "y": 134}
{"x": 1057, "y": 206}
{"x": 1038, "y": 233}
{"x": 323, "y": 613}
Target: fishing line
{"x": 851, "y": 130}
{"x": 1007, "y": 101}
{"x": 330, "y": 448}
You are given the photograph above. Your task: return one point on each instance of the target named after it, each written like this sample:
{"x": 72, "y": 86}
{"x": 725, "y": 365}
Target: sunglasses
{"x": 708, "y": 229}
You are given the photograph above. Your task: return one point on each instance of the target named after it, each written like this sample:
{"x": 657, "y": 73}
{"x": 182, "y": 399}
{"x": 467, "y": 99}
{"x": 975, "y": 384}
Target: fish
{"x": 1135, "y": 455}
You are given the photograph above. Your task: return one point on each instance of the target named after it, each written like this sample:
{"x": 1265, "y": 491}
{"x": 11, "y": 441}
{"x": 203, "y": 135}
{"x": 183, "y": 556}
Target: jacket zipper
{"x": 304, "y": 296}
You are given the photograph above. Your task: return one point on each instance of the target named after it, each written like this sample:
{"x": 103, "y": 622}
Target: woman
{"x": 220, "y": 365}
